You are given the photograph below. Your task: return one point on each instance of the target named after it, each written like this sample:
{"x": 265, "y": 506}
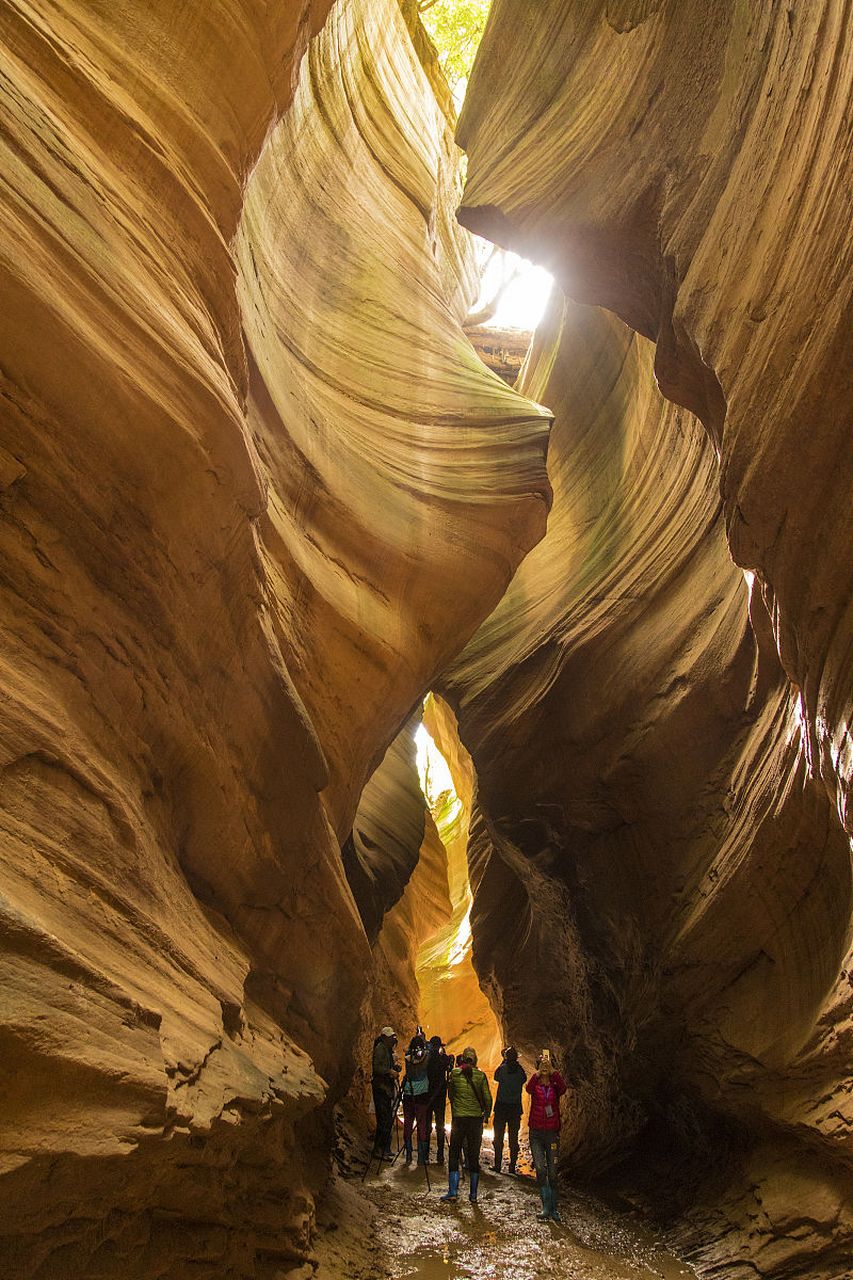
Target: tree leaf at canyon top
{"x": 456, "y": 28}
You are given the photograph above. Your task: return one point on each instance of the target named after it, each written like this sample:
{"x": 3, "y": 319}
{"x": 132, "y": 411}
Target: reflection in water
{"x": 422, "y": 1239}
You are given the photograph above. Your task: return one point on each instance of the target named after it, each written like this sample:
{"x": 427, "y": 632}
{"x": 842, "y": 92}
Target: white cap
{"x": 387, "y": 1031}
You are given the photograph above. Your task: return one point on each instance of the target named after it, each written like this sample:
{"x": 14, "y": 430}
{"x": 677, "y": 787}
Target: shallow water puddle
{"x": 421, "y": 1238}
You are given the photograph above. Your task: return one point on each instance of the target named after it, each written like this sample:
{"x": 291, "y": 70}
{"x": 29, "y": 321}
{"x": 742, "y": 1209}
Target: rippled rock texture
{"x": 662, "y": 740}
{"x": 258, "y": 494}
{"x": 256, "y": 489}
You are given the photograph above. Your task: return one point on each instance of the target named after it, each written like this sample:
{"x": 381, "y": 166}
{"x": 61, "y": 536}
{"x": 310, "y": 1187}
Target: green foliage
{"x": 455, "y": 28}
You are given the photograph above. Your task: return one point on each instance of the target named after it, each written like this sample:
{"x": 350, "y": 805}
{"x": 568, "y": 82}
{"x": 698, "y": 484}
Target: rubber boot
{"x": 512, "y": 1171}
{"x": 439, "y": 1155}
{"x": 423, "y": 1153}
{"x": 545, "y": 1196}
{"x": 407, "y": 1148}
{"x": 475, "y": 1182}
{"x": 452, "y": 1186}
{"x": 555, "y": 1212}
{"x": 496, "y": 1163}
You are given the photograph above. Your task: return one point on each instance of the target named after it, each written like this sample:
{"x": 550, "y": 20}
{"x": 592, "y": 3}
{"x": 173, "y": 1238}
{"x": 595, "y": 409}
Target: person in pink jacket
{"x": 546, "y": 1088}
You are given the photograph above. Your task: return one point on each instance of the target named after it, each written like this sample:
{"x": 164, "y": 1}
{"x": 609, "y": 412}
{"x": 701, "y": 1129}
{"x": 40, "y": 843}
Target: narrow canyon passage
{"x": 388, "y": 1220}
{"x": 425, "y": 589}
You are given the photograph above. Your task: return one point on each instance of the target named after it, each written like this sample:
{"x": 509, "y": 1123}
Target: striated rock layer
{"x": 256, "y": 489}
{"x": 453, "y": 1003}
{"x": 705, "y": 203}
{"x": 646, "y": 839}
{"x": 661, "y": 742}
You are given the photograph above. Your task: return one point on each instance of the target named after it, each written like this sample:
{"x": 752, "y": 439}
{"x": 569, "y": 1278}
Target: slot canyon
{"x": 351, "y": 679}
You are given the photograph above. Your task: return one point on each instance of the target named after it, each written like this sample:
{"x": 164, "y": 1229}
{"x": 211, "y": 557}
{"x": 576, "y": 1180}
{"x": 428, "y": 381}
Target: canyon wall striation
{"x": 256, "y": 489}
{"x": 258, "y": 494}
{"x": 661, "y": 740}
{"x": 706, "y": 204}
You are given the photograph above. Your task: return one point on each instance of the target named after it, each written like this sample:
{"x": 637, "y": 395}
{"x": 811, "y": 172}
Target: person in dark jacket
{"x": 510, "y": 1076}
{"x": 470, "y": 1108}
{"x": 439, "y": 1068}
{"x": 546, "y": 1088}
{"x": 416, "y": 1099}
{"x": 384, "y": 1072}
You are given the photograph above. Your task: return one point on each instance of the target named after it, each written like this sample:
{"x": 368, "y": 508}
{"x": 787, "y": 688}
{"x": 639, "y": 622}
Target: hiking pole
{"x": 376, "y": 1144}
{"x": 369, "y": 1163}
{"x": 430, "y": 1103}
{"x": 367, "y": 1166}
{"x": 396, "y": 1117}
{"x": 381, "y": 1154}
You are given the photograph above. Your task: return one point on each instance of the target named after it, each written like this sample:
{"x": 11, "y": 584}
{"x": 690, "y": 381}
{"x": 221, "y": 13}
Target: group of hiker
{"x": 431, "y": 1077}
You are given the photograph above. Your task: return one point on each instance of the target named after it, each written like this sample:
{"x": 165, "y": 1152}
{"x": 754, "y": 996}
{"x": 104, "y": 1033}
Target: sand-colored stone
{"x": 453, "y": 1003}
{"x": 226, "y": 513}
{"x": 398, "y": 868}
{"x": 258, "y": 495}
{"x": 659, "y": 741}
{"x": 683, "y": 164}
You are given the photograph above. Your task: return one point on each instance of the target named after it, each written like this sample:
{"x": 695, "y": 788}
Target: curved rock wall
{"x": 654, "y": 744}
{"x": 403, "y": 875}
{"x": 257, "y": 492}
{"x": 222, "y": 563}
{"x": 661, "y": 889}
{"x": 403, "y": 470}
{"x": 452, "y": 1000}
{"x": 706, "y": 204}
{"x": 388, "y": 832}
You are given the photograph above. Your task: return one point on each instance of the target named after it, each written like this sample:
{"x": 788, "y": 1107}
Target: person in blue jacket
{"x": 510, "y": 1076}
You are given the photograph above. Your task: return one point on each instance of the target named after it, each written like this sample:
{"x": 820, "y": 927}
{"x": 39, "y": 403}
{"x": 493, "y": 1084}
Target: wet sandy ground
{"x": 393, "y": 1227}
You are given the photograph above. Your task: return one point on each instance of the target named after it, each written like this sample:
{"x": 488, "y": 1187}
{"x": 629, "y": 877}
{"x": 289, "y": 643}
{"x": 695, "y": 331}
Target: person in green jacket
{"x": 470, "y": 1108}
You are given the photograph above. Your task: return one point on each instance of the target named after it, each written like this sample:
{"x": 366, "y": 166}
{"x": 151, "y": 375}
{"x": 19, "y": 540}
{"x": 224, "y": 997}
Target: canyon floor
{"x": 392, "y": 1226}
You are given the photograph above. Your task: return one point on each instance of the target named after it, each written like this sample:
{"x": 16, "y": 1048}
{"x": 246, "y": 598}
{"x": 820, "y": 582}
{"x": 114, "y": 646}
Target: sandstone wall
{"x": 394, "y": 828}
{"x": 660, "y": 741}
{"x": 683, "y": 165}
{"x": 226, "y": 518}
{"x": 452, "y": 1000}
{"x": 661, "y": 890}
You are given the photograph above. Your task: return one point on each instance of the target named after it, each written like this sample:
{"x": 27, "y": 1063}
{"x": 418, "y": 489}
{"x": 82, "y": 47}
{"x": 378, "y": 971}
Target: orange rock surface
{"x": 258, "y": 495}
{"x": 245, "y": 443}
{"x": 662, "y": 742}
